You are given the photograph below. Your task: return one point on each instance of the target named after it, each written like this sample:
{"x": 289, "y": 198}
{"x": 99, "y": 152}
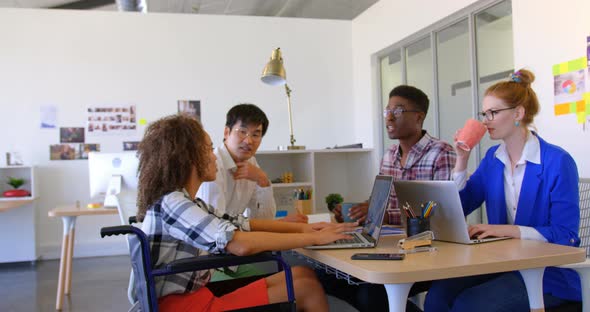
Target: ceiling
{"x": 323, "y": 9}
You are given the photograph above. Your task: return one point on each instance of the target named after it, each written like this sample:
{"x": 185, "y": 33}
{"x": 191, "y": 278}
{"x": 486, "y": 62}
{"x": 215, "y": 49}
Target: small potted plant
{"x": 333, "y": 199}
{"x": 16, "y": 183}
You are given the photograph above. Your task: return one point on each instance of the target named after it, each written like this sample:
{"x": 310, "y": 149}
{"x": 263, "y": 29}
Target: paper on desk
{"x": 318, "y": 217}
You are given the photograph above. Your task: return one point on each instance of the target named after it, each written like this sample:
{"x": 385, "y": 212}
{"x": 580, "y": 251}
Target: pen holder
{"x": 417, "y": 225}
{"x": 303, "y": 206}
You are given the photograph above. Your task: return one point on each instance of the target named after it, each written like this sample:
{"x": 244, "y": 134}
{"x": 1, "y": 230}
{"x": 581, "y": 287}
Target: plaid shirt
{"x": 178, "y": 228}
{"x": 429, "y": 159}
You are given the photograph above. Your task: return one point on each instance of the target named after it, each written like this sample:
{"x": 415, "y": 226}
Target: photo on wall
{"x": 84, "y": 149}
{"x": 130, "y": 146}
{"x": 71, "y": 151}
{"x": 71, "y": 135}
{"x": 111, "y": 120}
{"x": 63, "y": 151}
{"x": 191, "y": 108}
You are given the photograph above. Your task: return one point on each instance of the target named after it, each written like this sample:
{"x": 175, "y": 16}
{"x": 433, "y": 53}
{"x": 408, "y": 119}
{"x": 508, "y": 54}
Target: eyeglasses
{"x": 243, "y": 134}
{"x": 398, "y": 111}
{"x": 491, "y": 113}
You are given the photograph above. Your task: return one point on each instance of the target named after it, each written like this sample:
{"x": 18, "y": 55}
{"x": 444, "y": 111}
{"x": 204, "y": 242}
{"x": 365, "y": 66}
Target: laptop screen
{"x": 377, "y": 204}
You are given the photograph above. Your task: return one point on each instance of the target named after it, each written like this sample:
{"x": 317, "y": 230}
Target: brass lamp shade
{"x": 274, "y": 72}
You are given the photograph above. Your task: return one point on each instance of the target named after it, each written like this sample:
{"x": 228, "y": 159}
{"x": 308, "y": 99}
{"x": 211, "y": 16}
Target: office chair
{"x": 583, "y": 268}
{"x": 144, "y": 274}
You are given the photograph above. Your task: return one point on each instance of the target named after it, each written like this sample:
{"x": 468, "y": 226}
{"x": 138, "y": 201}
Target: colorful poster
{"x": 570, "y": 89}
{"x": 190, "y": 108}
{"x": 111, "y": 120}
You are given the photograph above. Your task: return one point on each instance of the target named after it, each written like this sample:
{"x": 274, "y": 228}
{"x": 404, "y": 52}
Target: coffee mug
{"x": 470, "y": 134}
{"x": 345, "y": 210}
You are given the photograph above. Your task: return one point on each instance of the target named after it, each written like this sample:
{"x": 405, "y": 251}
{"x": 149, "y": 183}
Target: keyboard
{"x": 355, "y": 239}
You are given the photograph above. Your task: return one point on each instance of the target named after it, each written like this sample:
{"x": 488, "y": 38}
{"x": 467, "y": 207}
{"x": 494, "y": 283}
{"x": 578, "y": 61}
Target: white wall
{"x": 74, "y": 59}
{"x": 541, "y": 39}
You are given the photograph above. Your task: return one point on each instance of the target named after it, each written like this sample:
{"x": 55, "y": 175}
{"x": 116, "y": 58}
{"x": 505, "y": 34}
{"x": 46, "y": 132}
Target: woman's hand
{"x": 480, "y": 231}
{"x": 331, "y": 234}
{"x": 319, "y": 226}
{"x": 297, "y": 218}
{"x": 462, "y": 156}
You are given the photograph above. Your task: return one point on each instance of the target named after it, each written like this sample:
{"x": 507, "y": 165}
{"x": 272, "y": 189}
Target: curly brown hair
{"x": 169, "y": 149}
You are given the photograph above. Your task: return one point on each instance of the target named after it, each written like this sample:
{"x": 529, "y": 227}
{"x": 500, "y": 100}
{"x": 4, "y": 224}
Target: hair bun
{"x": 522, "y": 76}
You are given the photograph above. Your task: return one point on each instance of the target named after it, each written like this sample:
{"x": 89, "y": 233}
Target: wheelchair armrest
{"x": 121, "y": 229}
{"x": 216, "y": 261}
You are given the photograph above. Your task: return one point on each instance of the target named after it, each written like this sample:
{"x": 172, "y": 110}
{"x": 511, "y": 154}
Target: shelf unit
{"x": 349, "y": 172}
{"x": 17, "y": 217}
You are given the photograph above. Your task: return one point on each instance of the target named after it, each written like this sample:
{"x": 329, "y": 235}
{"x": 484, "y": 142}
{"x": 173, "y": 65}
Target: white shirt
{"x": 513, "y": 181}
{"x": 232, "y": 196}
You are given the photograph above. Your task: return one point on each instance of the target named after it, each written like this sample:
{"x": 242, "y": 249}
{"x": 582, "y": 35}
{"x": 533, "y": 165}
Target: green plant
{"x": 15, "y": 182}
{"x": 333, "y": 199}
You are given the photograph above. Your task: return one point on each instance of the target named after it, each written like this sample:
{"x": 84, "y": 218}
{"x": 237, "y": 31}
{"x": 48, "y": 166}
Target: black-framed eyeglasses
{"x": 243, "y": 134}
{"x": 491, "y": 113}
{"x": 398, "y": 111}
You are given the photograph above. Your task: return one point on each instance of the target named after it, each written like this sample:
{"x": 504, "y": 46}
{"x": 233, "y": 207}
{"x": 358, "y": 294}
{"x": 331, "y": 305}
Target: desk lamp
{"x": 274, "y": 74}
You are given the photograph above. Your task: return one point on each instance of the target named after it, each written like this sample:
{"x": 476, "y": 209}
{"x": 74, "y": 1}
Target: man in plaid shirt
{"x": 417, "y": 156}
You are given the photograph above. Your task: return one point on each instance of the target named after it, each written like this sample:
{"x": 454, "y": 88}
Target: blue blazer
{"x": 549, "y": 202}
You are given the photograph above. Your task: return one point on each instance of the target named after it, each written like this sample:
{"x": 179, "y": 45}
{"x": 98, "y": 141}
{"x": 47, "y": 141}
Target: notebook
{"x": 369, "y": 235}
{"x": 447, "y": 222}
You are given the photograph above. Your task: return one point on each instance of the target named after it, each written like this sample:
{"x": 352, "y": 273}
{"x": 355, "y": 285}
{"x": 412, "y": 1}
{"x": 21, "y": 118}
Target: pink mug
{"x": 470, "y": 134}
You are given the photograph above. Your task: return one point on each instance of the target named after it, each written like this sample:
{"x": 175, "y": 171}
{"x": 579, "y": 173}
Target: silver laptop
{"x": 447, "y": 221}
{"x": 369, "y": 236}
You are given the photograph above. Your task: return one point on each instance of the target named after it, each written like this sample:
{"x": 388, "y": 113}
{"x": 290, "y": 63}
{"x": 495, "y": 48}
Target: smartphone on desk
{"x": 378, "y": 256}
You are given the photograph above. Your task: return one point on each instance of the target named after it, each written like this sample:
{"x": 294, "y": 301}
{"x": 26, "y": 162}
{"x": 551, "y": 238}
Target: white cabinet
{"x": 17, "y": 217}
{"x": 349, "y": 172}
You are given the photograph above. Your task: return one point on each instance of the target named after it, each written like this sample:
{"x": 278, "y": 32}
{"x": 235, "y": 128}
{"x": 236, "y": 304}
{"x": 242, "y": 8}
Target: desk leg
{"x": 397, "y": 295}
{"x": 70, "y": 255}
{"x": 65, "y": 245}
{"x": 533, "y": 280}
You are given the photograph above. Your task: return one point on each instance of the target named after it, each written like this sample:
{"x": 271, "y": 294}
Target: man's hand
{"x": 359, "y": 212}
{"x": 250, "y": 172}
{"x": 497, "y": 230}
{"x": 296, "y": 218}
{"x": 338, "y": 213}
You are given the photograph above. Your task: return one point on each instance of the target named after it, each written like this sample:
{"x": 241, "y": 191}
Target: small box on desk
{"x": 303, "y": 206}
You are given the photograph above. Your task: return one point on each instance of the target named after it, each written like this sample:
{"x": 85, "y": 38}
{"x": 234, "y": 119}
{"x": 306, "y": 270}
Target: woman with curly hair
{"x": 530, "y": 191}
{"x": 175, "y": 157}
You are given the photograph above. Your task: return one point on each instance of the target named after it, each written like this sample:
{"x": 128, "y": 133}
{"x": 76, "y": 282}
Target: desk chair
{"x": 583, "y": 268}
{"x": 144, "y": 274}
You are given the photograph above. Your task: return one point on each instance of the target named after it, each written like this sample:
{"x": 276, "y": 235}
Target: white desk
{"x": 451, "y": 260}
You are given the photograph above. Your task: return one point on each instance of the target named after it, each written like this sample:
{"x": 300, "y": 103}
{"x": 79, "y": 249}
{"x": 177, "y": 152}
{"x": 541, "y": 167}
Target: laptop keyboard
{"x": 355, "y": 240}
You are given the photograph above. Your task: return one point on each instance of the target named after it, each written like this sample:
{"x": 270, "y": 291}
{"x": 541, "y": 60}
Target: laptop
{"x": 447, "y": 222}
{"x": 369, "y": 236}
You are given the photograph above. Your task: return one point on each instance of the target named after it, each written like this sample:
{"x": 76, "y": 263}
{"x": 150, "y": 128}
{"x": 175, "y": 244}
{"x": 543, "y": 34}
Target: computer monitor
{"x": 110, "y": 173}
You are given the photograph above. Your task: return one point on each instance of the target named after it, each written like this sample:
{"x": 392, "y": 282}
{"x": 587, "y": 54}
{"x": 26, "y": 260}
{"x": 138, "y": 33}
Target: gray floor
{"x": 98, "y": 284}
